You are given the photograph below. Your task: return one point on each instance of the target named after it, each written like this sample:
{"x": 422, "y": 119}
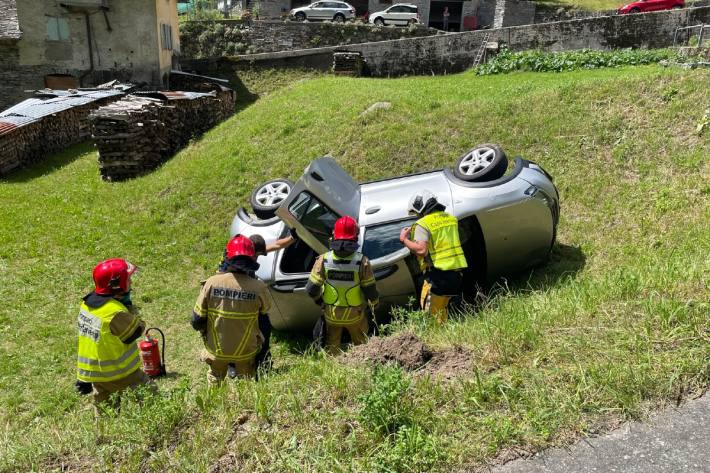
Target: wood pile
{"x": 348, "y": 63}
{"x": 140, "y": 132}
{"x": 26, "y": 140}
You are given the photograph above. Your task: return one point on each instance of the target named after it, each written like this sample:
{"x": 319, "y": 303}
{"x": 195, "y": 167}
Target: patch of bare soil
{"x": 448, "y": 364}
{"x": 404, "y": 349}
{"x": 408, "y": 351}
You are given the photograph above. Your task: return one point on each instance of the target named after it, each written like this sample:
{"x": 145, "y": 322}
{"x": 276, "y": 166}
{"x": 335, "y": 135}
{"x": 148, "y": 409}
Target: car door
{"x": 324, "y": 193}
{"x": 394, "y": 16}
{"x": 288, "y": 288}
{"x": 315, "y": 11}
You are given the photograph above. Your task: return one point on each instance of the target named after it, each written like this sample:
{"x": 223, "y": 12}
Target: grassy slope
{"x": 616, "y": 324}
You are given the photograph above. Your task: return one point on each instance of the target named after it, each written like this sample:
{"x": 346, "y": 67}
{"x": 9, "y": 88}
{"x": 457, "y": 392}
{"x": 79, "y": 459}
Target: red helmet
{"x": 240, "y": 245}
{"x": 346, "y": 228}
{"x": 113, "y": 276}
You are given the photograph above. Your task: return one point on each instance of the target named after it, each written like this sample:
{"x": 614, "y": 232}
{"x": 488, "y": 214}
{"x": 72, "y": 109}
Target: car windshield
{"x": 382, "y": 240}
{"x": 318, "y": 219}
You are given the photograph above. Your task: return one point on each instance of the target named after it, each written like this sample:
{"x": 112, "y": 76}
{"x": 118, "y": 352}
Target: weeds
{"x": 538, "y": 61}
{"x": 386, "y": 406}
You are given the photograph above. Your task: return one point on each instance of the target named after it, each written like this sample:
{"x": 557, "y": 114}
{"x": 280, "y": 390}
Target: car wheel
{"x": 300, "y": 16}
{"x": 635, "y": 10}
{"x": 676, "y": 7}
{"x": 268, "y": 196}
{"x": 339, "y": 18}
{"x": 379, "y": 22}
{"x": 412, "y": 22}
{"x": 485, "y": 162}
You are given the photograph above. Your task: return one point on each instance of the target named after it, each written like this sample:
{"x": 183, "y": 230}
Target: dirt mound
{"x": 404, "y": 348}
{"x": 449, "y": 363}
{"x": 409, "y": 352}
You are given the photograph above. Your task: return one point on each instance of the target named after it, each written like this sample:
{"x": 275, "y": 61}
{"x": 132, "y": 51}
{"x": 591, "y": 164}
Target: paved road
{"x": 676, "y": 440}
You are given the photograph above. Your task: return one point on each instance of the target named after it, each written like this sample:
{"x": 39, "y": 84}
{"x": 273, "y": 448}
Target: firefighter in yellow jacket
{"x": 108, "y": 359}
{"x": 227, "y": 311}
{"x": 342, "y": 280}
{"x": 434, "y": 238}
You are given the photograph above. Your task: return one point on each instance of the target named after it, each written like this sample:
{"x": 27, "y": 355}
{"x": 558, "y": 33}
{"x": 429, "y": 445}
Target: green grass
{"x": 614, "y": 326}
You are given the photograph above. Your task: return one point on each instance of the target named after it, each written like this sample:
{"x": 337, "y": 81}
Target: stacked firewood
{"x": 347, "y": 63}
{"x": 30, "y": 142}
{"x": 140, "y": 132}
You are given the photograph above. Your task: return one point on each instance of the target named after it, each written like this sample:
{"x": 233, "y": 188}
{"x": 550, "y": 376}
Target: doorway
{"x": 436, "y": 15}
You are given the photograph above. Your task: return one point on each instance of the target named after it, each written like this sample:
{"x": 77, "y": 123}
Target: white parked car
{"x": 335, "y": 11}
{"x": 400, "y": 14}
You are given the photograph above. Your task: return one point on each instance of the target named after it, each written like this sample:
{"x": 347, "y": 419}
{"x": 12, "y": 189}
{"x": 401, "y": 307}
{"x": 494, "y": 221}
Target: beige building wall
{"x": 166, "y": 14}
{"x": 130, "y": 49}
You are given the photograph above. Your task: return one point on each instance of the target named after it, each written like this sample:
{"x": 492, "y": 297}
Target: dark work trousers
{"x": 263, "y": 358}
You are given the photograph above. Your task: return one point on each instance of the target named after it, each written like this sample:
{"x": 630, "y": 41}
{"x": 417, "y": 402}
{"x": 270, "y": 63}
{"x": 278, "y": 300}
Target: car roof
{"x": 405, "y": 5}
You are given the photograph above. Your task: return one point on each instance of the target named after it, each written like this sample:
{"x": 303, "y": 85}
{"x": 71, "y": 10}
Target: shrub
{"x": 539, "y": 61}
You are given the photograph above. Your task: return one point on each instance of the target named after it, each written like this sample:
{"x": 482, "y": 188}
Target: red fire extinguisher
{"x": 153, "y": 364}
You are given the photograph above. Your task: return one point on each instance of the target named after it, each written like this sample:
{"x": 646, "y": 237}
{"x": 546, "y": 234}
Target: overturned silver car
{"x": 507, "y": 222}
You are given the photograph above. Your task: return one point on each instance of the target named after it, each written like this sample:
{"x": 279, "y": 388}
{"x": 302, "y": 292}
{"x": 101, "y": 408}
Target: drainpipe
{"x": 91, "y": 50}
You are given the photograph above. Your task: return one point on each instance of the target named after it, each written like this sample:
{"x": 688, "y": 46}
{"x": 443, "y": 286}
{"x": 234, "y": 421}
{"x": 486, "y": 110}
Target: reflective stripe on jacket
{"x": 102, "y": 356}
{"x": 341, "y": 288}
{"x": 444, "y": 247}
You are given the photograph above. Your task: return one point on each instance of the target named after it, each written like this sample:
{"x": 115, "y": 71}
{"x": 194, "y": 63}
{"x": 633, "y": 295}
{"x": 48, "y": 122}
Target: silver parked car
{"x": 328, "y": 10}
{"x": 399, "y": 14}
{"x": 507, "y": 222}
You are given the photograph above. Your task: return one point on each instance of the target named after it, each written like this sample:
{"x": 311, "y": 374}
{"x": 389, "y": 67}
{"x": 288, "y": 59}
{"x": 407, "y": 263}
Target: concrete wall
{"x": 130, "y": 51}
{"x": 456, "y": 51}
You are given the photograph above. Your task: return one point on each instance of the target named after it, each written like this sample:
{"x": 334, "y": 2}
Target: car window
{"x": 382, "y": 240}
{"x": 318, "y": 219}
{"x": 411, "y": 9}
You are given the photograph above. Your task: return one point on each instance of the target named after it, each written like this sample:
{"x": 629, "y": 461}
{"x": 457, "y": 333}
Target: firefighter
{"x": 227, "y": 311}
{"x": 434, "y": 239}
{"x": 342, "y": 281}
{"x": 108, "y": 359}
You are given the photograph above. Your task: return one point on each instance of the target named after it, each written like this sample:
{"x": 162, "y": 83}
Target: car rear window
{"x": 382, "y": 240}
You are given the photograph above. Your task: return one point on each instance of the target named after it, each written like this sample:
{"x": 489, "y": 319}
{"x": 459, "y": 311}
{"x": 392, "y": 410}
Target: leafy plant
{"x": 539, "y": 61}
{"x": 386, "y": 407}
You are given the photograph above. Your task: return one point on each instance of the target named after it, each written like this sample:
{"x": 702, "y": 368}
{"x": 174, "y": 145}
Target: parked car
{"x": 507, "y": 221}
{"x": 642, "y": 6}
{"x": 331, "y": 10}
{"x": 400, "y": 14}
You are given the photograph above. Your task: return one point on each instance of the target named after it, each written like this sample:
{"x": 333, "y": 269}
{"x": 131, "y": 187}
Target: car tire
{"x": 676, "y": 7}
{"x": 485, "y": 162}
{"x": 267, "y": 197}
{"x": 300, "y": 16}
{"x": 635, "y": 10}
{"x": 379, "y": 22}
{"x": 412, "y": 22}
{"x": 339, "y": 18}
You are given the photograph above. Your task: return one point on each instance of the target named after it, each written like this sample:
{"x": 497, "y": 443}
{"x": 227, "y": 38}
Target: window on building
{"x": 166, "y": 36}
{"x": 57, "y": 29}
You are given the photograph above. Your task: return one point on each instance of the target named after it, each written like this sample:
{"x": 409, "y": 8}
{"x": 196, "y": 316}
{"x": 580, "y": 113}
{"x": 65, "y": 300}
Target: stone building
{"x": 86, "y": 42}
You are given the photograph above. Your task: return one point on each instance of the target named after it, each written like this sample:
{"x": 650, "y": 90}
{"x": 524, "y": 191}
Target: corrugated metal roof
{"x": 60, "y": 100}
{"x": 17, "y": 120}
{"x": 6, "y": 127}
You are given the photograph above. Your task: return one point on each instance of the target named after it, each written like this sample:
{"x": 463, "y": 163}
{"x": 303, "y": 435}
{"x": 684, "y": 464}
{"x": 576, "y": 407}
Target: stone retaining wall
{"x": 456, "y": 51}
{"x": 204, "y": 39}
